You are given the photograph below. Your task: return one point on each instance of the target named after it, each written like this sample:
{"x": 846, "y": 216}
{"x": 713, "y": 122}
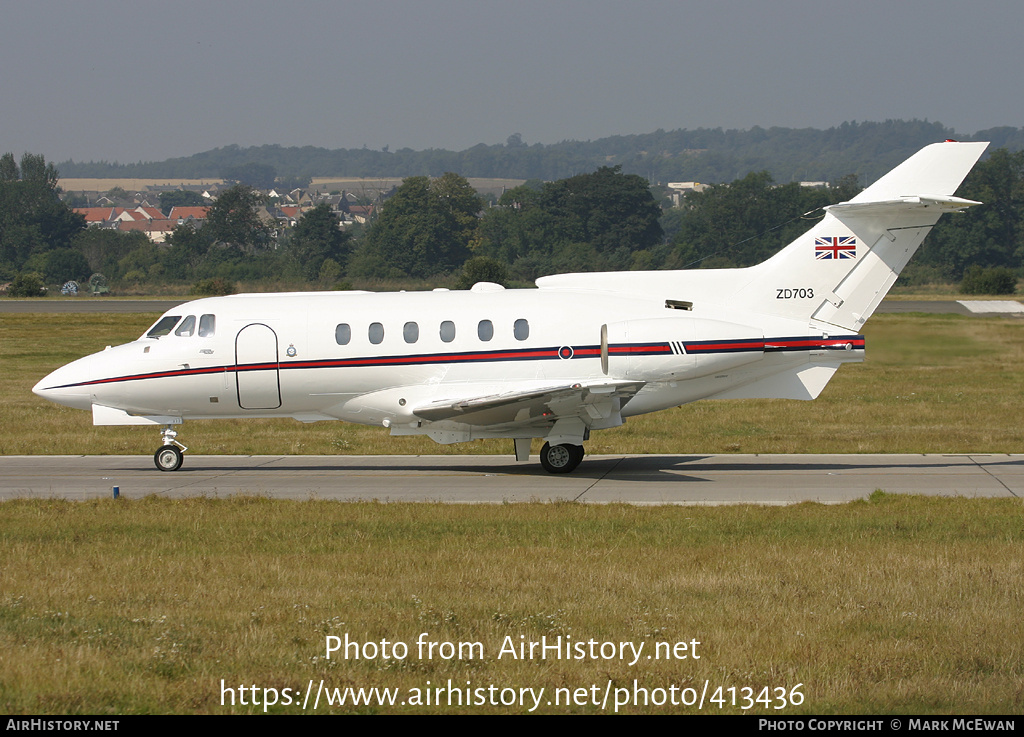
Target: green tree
{"x": 186, "y": 253}
{"x": 8, "y": 168}
{"x": 27, "y": 285}
{"x": 59, "y": 265}
{"x": 258, "y": 176}
{"x": 317, "y": 238}
{"x": 425, "y": 228}
{"x": 118, "y": 194}
{"x": 35, "y": 169}
{"x": 287, "y": 184}
{"x": 988, "y": 235}
{"x": 32, "y": 217}
{"x": 612, "y": 211}
{"x": 330, "y": 275}
{"x": 590, "y": 222}
{"x": 747, "y": 221}
{"x": 216, "y": 287}
{"x": 233, "y": 220}
{"x": 524, "y": 196}
{"x": 482, "y": 268}
{"x": 993, "y": 280}
{"x": 180, "y": 198}
{"x": 103, "y": 248}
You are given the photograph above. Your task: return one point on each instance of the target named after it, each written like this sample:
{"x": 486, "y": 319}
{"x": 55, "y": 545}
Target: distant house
{"x": 148, "y": 220}
{"x": 678, "y": 189}
{"x": 156, "y": 230}
{"x": 361, "y": 213}
{"x": 288, "y": 215}
{"x": 96, "y": 217}
{"x": 149, "y": 212}
{"x": 194, "y": 214}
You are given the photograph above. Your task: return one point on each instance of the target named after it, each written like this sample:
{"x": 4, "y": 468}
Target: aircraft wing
{"x": 595, "y": 403}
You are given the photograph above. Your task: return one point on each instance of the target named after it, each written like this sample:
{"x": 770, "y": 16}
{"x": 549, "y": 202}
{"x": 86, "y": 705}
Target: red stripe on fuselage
{"x": 650, "y": 349}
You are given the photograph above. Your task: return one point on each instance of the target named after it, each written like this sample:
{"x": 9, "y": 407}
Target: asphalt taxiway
{"x": 652, "y": 479}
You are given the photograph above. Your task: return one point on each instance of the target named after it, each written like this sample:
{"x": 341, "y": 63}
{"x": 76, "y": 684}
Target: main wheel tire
{"x": 560, "y": 458}
{"x": 168, "y": 458}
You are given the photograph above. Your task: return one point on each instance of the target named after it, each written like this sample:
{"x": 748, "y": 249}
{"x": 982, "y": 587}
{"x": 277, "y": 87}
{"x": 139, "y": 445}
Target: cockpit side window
{"x": 207, "y": 326}
{"x": 187, "y": 327}
{"x": 163, "y": 326}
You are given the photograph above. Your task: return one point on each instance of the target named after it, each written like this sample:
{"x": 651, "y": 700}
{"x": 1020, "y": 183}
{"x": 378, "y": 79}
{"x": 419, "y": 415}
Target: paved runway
{"x": 88, "y": 304}
{"x": 660, "y": 479}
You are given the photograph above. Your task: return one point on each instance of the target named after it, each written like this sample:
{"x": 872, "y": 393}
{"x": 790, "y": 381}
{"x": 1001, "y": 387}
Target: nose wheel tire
{"x": 561, "y": 458}
{"x": 168, "y": 458}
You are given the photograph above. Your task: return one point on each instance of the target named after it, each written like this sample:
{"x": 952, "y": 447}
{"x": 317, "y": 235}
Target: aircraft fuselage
{"x": 375, "y": 358}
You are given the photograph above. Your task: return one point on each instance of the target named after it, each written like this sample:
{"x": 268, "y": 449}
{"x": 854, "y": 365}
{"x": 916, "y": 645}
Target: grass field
{"x": 931, "y": 383}
{"x": 891, "y": 605}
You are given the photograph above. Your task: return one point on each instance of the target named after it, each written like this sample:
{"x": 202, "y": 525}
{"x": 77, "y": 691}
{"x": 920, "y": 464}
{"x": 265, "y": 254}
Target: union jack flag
{"x": 836, "y": 247}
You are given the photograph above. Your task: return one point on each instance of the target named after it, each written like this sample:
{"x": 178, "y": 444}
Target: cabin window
{"x": 343, "y": 334}
{"x": 163, "y": 326}
{"x": 207, "y": 326}
{"x": 447, "y": 331}
{"x": 521, "y": 329}
{"x": 187, "y": 327}
{"x": 376, "y": 333}
{"x": 411, "y": 332}
{"x": 485, "y": 330}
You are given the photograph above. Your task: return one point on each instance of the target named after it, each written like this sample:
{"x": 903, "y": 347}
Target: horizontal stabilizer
{"x": 938, "y": 168}
{"x": 941, "y": 202}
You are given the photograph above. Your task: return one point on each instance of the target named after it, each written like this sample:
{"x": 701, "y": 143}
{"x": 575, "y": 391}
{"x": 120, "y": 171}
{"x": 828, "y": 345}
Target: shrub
{"x": 482, "y": 268}
{"x": 217, "y": 287}
{"x": 993, "y": 280}
{"x": 27, "y": 285}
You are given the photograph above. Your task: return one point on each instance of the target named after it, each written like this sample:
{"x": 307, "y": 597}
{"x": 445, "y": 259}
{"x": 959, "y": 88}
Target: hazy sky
{"x": 142, "y": 80}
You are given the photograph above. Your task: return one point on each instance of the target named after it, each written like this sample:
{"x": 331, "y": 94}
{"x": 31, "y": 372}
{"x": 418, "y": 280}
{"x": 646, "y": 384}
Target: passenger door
{"x": 256, "y": 368}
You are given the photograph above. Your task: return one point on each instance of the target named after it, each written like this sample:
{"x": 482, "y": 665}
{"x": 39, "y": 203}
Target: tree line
{"x": 439, "y": 231}
{"x": 710, "y": 155}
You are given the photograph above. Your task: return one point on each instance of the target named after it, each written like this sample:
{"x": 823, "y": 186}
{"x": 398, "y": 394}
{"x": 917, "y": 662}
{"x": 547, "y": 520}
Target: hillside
{"x": 866, "y": 149}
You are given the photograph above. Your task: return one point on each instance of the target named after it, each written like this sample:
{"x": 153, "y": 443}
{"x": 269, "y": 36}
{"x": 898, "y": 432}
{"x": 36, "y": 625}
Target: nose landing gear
{"x": 171, "y": 454}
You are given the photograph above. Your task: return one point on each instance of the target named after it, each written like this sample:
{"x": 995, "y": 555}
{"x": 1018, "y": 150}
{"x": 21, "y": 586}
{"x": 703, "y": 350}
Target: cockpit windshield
{"x": 163, "y": 326}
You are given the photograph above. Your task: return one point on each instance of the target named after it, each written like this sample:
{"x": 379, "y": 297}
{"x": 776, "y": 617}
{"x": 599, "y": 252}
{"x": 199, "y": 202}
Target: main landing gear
{"x": 561, "y": 458}
{"x": 171, "y": 453}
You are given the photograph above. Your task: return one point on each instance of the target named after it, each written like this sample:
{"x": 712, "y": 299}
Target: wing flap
{"x": 593, "y": 402}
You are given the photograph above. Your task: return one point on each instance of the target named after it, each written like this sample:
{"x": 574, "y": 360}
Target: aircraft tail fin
{"x": 841, "y": 269}
{"x": 838, "y": 271}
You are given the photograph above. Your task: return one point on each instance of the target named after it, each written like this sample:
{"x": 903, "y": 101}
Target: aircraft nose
{"x": 60, "y": 387}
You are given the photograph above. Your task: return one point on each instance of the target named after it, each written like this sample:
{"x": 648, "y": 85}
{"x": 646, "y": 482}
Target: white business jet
{"x": 581, "y": 353}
